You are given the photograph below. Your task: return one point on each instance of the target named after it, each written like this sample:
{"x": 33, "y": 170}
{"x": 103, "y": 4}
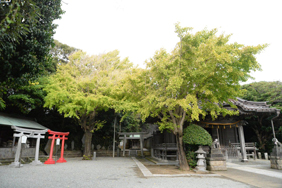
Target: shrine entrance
{"x": 133, "y": 142}
{"x": 57, "y": 136}
{"x": 230, "y": 131}
{"x": 22, "y": 137}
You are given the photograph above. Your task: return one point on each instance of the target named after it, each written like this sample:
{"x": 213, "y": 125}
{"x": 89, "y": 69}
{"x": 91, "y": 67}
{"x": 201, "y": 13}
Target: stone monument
{"x": 98, "y": 147}
{"x": 216, "y": 160}
{"x": 276, "y": 155}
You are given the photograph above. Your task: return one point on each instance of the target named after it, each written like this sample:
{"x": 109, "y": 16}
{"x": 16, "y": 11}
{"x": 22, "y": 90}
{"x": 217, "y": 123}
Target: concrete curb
{"x": 147, "y": 173}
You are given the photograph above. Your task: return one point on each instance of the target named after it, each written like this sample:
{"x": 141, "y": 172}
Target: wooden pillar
{"x": 242, "y": 143}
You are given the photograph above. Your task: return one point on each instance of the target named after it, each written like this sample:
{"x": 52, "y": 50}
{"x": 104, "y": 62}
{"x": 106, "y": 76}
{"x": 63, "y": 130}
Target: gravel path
{"x": 104, "y": 172}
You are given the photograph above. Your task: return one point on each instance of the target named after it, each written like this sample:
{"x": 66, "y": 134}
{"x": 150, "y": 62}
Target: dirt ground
{"x": 166, "y": 169}
{"x": 163, "y": 169}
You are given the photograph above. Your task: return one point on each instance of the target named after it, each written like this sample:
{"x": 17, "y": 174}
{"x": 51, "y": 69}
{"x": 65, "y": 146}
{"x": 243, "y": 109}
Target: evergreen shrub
{"x": 196, "y": 135}
{"x": 193, "y": 136}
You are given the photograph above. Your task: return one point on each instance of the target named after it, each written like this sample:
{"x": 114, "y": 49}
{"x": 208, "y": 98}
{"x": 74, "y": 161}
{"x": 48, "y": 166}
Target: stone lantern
{"x": 201, "y": 164}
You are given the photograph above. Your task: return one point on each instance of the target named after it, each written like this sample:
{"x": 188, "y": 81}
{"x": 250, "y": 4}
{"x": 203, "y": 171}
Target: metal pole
{"x": 273, "y": 128}
{"x": 278, "y": 112}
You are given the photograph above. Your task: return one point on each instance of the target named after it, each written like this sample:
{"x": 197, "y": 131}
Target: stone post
{"x": 259, "y": 155}
{"x": 94, "y": 156}
{"x": 266, "y": 156}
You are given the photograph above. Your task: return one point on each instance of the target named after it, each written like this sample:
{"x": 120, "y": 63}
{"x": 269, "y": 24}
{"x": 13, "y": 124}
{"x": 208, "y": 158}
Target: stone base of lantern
{"x": 201, "y": 170}
{"x": 216, "y": 165}
{"x": 216, "y": 161}
{"x": 276, "y": 162}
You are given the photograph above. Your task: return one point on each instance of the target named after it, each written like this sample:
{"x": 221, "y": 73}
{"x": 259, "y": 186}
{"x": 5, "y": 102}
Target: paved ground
{"x": 104, "y": 172}
{"x": 254, "y": 172}
{"x": 257, "y": 173}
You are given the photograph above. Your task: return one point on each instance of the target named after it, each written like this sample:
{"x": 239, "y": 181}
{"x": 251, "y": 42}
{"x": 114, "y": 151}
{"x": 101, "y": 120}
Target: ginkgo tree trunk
{"x": 83, "y": 87}
{"x": 195, "y": 79}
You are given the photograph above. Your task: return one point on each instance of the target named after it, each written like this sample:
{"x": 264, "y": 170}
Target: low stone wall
{"x": 9, "y": 153}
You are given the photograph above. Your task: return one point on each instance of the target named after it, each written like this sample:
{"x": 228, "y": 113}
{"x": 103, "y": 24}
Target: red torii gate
{"x": 61, "y": 136}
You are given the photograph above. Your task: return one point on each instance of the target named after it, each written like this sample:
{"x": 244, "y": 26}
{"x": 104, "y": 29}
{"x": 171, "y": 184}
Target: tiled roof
{"x": 245, "y": 107}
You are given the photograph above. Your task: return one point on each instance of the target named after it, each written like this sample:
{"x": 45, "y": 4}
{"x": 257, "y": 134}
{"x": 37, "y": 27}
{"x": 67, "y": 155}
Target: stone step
{"x": 105, "y": 153}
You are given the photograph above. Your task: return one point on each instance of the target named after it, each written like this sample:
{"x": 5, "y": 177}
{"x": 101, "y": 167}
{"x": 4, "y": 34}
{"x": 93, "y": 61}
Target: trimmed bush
{"x": 196, "y": 135}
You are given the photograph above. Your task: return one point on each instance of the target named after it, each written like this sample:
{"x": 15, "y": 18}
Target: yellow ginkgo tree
{"x": 84, "y": 86}
{"x": 194, "y": 80}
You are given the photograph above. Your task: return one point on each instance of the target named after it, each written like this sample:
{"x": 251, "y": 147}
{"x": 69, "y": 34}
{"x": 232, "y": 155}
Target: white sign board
{"x": 24, "y": 138}
{"x": 58, "y": 141}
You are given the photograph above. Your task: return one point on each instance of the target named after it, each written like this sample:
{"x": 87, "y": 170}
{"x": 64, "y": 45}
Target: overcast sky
{"x": 139, "y": 28}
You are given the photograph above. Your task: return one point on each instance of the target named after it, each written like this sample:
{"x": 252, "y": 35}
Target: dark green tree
{"x": 264, "y": 91}
{"x": 13, "y": 17}
{"x": 261, "y": 124}
{"x": 27, "y": 58}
